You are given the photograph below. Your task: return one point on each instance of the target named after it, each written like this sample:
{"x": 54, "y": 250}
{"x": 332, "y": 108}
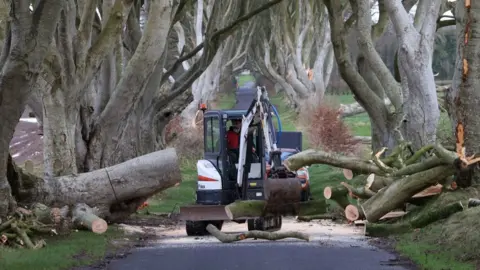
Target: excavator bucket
{"x": 202, "y": 212}
{"x": 282, "y": 195}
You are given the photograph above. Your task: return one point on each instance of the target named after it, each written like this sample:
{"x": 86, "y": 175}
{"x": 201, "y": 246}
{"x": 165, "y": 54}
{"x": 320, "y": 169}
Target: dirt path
{"x": 323, "y": 230}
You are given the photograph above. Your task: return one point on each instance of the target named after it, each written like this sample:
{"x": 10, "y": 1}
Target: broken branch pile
{"x": 385, "y": 184}
{"x": 26, "y": 227}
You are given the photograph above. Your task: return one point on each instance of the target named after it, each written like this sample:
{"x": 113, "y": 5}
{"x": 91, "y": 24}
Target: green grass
{"x": 242, "y": 79}
{"x": 429, "y": 256}
{"x": 78, "y": 249}
{"x": 225, "y": 101}
{"x": 183, "y": 194}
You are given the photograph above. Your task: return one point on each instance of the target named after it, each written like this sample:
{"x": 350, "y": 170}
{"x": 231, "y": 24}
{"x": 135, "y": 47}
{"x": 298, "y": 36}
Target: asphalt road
{"x": 262, "y": 255}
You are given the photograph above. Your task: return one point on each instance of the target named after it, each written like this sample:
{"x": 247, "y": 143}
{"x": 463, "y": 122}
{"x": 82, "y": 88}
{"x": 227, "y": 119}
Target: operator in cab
{"x": 233, "y": 136}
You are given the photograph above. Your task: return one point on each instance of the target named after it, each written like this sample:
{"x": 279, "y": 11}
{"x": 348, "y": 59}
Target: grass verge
{"x": 62, "y": 252}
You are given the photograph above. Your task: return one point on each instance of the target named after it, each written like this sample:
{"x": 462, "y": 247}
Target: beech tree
{"x": 463, "y": 97}
{"x": 415, "y": 111}
{"x": 225, "y": 60}
{"x": 107, "y": 92}
{"x": 298, "y": 42}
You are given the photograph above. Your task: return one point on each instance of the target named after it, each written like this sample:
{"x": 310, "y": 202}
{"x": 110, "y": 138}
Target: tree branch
{"x": 107, "y": 39}
{"x": 84, "y": 33}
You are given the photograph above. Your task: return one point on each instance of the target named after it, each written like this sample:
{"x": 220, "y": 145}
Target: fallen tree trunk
{"x": 363, "y": 139}
{"x": 400, "y": 191}
{"x": 353, "y": 213}
{"x": 273, "y": 236}
{"x": 116, "y": 191}
{"x": 257, "y": 208}
{"x": 309, "y": 157}
{"x": 422, "y": 220}
{"x": 355, "y": 108}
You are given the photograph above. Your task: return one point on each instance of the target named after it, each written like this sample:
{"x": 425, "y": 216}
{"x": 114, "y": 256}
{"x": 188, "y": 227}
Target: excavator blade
{"x": 202, "y": 212}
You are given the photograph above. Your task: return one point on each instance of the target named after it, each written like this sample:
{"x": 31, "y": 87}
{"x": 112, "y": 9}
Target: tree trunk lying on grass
{"x": 422, "y": 220}
{"x": 256, "y": 208}
{"x": 115, "y": 191}
{"x": 387, "y": 183}
{"x": 273, "y": 236}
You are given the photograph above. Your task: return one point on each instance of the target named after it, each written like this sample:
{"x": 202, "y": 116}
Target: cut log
{"x": 400, "y": 191}
{"x": 376, "y": 182}
{"x": 256, "y": 208}
{"x": 315, "y": 217}
{"x": 47, "y": 215}
{"x": 273, "y": 236}
{"x": 348, "y": 174}
{"x": 353, "y": 213}
{"x": 83, "y": 217}
{"x": 337, "y": 194}
{"x": 358, "y": 192}
{"x": 420, "y": 221}
{"x": 117, "y": 190}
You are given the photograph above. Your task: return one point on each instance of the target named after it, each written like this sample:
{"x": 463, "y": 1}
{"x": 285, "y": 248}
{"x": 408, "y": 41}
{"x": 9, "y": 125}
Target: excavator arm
{"x": 260, "y": 111}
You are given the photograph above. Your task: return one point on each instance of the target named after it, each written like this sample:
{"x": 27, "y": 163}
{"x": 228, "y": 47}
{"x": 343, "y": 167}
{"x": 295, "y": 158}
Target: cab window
{"x": 212, "y": 135}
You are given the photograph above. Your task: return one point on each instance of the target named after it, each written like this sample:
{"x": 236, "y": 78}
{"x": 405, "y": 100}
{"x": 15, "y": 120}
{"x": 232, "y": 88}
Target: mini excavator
{"x": 253, "y": 172}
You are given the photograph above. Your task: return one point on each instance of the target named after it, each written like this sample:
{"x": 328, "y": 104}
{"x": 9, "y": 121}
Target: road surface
{"x": 331, "y": 247}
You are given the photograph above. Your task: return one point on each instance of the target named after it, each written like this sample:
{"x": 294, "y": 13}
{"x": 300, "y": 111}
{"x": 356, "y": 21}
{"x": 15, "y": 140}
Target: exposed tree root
{"x": 273, "y": 236}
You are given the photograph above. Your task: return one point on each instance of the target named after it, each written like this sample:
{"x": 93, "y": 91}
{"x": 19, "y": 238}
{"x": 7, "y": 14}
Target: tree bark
{"x": 463, "y": 97}
{"x": 20, "y": 71}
